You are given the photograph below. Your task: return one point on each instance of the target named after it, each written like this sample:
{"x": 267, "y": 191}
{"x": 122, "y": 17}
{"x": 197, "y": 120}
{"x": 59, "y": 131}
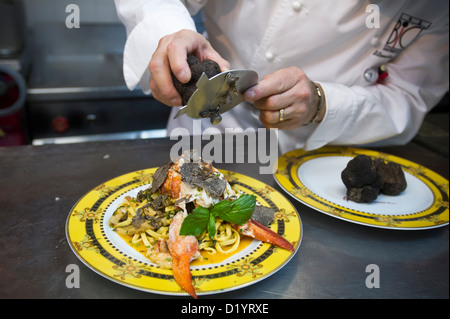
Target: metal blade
{"x": 218, "y": 94}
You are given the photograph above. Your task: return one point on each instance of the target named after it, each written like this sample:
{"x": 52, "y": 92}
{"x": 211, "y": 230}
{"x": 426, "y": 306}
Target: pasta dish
{"x": 189, "y": 209}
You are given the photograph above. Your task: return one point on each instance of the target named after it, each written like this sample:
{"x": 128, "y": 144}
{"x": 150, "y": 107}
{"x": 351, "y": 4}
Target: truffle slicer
{"x": 218, "y": 94}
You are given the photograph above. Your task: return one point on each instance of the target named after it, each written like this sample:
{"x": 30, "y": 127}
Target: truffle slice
{"x": 160, "y": 202}
{"x": 160, "y": 176}
{"x": 200, "y": 176}
{"x": 263, "y": 215}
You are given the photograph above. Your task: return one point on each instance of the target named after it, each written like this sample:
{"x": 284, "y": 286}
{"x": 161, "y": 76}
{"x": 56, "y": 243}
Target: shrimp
{"x": 160, "y": 255}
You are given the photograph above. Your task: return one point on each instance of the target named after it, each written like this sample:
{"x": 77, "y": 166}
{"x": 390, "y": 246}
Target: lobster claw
{"x": 182, "y": 249}
{"x": 255, "y": 230}
{"x": 182, "y": 274}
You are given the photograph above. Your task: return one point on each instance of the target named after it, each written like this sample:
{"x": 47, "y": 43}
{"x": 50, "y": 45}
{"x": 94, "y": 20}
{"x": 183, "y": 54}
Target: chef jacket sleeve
{"x": 390, "y": 113}
{"x": 147, "y": 21}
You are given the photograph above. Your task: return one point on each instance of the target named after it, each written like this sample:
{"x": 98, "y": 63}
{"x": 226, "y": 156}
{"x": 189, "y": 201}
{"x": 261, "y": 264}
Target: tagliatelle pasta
{"x": 141, "y": 224}
{"x": 226, "y": 240}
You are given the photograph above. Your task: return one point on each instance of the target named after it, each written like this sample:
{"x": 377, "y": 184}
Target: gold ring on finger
{"x": 281, "y": 116}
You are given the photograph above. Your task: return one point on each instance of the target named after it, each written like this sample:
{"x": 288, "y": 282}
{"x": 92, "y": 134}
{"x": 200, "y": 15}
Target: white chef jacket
{"x": 333, "y": 42}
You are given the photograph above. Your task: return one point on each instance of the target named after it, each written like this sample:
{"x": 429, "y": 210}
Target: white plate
{"x": 314, "y": 178}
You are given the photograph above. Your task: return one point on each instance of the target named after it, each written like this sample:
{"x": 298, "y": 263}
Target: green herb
{"x": 238, "y": 212}
{"x": 211, "y": 226}
{"x": 195, "y": 223}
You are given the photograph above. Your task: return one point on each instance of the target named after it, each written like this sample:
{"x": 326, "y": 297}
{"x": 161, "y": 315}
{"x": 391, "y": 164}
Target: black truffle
{"x": 209, "y": 67}
{"x": 360, "y": 171}
{"x": 394, "y": 181}
{"x": 365, "y": 178}
{"x": 366, "y": 194}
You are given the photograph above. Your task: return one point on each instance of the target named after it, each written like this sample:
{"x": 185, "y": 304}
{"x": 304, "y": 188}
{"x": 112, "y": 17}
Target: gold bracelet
{"x": 319, "y": 94}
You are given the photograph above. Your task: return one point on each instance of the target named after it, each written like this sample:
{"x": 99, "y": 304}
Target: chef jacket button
{"x": 296, "y": 5}
{"x": 269, "y": 56}
{"x": 375, "y": 41}
{"x": 371, "y": 75}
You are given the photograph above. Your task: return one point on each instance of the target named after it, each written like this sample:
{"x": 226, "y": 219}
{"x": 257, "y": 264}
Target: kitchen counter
{"x": 40, "y": 184}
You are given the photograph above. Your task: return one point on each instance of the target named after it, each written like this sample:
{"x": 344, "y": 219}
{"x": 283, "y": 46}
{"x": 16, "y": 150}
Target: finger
{"x": 170, "y": 58}
{"x": 274, "y": 102}
{"x": 186, "y": 42}
{"x": 269, "y": 117}
{"x": 161, "y": 83}
{"x": 177, "y": 53}
{"x": 276, "y": 116}
{"x": 286, "y": 124}
{"x": 173, "y": 99}
{"x": 170, "y": 101}
{"x": 275, "y": 83}
{"x": 178, "y": 46}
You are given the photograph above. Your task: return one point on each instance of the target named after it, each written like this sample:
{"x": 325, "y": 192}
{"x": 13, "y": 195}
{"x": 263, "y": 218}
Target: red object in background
{"x": 11, "y": 114}
{"x": 11, "y": 130}
{"x": 60, "y": 124}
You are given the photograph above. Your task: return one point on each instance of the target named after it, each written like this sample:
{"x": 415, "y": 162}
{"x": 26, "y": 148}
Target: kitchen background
{"x": 65, "y": 85}
{"x": 68, "y": 81}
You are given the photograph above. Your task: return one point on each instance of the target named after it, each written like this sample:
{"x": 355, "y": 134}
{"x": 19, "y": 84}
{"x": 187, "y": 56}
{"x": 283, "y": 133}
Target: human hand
{"x": 170, "y": 56}
{"x": 289, "y": 90}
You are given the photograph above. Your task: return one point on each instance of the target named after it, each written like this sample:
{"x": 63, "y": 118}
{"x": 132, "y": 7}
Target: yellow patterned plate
{"x": 314, "y": 178}
{"x": 102, "y": 250}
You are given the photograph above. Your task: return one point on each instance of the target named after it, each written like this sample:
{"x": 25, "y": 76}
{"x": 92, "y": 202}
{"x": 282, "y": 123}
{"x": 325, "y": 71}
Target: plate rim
{"x": 154, "y": 290}
{"x": 353, "y": 151}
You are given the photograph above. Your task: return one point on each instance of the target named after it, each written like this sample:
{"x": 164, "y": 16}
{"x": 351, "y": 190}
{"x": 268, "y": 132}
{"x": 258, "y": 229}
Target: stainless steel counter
{"x": 40, "y": 185}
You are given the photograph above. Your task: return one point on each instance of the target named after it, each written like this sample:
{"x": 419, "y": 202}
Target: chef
{"x": 348, "y": 72}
